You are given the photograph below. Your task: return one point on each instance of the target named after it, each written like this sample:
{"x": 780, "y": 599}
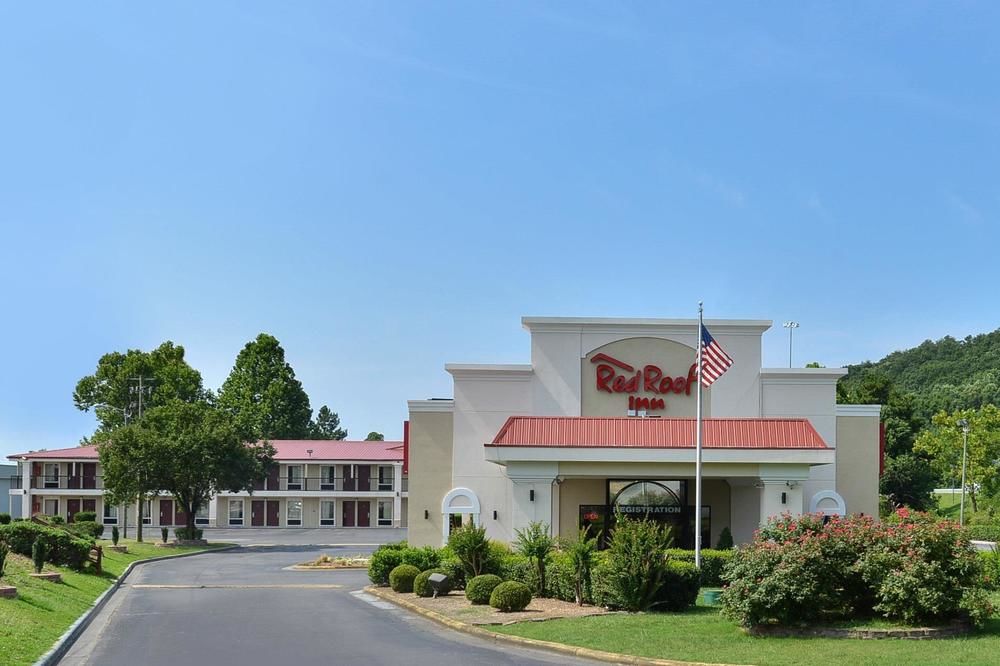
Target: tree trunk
{"x": 578, "y": 585}
{"x": 189, "y": 518}
{"x": 541, "y": 577}
{"x": 972, "y": 498}
{"x": 138, "y": 519}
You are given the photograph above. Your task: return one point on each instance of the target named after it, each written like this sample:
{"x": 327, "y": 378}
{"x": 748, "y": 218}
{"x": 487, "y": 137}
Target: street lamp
{"x": 964, "y": 425}
{"x": 790, "y": 325}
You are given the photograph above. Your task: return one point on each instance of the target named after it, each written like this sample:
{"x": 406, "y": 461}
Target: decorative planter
{"x": 52, "y": 576}
{"x": 118, "y": 549}
{"x": 8, "y": 592}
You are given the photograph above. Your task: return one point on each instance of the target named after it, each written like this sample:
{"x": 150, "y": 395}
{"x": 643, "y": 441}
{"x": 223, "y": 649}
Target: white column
{"x": 26, "y": 487}
{"x": 397, "y": 494}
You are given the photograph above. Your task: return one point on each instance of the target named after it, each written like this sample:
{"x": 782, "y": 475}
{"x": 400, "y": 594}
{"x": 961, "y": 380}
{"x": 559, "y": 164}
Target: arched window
{"x": 645, "y": 493}
{"x": 829, "y": 503}
{"x": 459, "y": 502}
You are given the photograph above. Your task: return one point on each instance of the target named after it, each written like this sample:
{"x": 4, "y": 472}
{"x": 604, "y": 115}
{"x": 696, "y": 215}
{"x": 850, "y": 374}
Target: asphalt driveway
{"x": 366, "y": 537}
{"x": 245, "y": 607}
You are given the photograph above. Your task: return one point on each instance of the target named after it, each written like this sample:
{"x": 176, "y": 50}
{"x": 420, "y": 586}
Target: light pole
{"x": 964, "y": 425}
{"x": 790, "y": 325}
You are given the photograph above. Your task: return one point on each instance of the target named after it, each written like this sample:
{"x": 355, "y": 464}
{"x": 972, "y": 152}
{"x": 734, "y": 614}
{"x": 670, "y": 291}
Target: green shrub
{"x": 518, "y": 568}
{"x": 4, "y": 551}
{"x": 57, "y": 520}
{"x": 395, "y": 545}
{"x": 471, "y": 547}
{"x": 725, "y": 540}
{"x": 510, "y": 597}
{"x": 456, "y": 572}
{"x": 164, "y": 534}
{"x": 990, "y": 561}
{"x": 713, "y": 562}
{"x": 680, "y": 587}
{"x": 984, "y": 532}
{"x": 185, "y": 534}
{"x": 39, "y": 551}
{"x": 4, "y": 519}
{"x": 62, "y": 547}
{"x": 114, "y": 535}
{"x": 636, "y": 564}
{"x": 401, "y": 578}
{"x": 422, "y": 586}
{"x": 382, "y": 562}
{"x": 479, "y": 589}
{"x": 87, "y": 528}
{"x": 535, "y": 542}
{"x": 580, "y": 554}
{"x": 422, "y": 558}
{"x": 85, "y": 516}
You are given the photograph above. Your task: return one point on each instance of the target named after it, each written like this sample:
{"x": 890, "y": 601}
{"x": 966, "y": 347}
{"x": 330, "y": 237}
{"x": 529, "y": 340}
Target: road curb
{"x": 65, "y": 642}
{"x": 561, "y": 648}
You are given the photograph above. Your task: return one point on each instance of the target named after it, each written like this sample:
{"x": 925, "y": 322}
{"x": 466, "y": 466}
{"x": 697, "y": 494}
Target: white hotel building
{"x": 314, "y": 483}
{"x": 602, "y": 421}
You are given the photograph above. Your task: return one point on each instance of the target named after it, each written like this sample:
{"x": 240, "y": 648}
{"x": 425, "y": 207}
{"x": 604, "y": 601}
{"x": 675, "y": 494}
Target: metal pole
{"x": 790, "y": 329}
{"x": 965, "y": 448}
{"x": 697, "y": 447}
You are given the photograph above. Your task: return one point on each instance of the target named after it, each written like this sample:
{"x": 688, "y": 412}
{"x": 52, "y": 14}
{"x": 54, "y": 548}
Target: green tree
{"x": 263, "y": 395}
{"x": 375, "y": 437}
{"x": 125, "y": 469}
{"x": 327, "y": 425}
{"x": 112, "y": 390}
{"x": 909, "y": 480}
{"x": 943, "y": 443}
{"x": 582, "y": 552}
{"x": 194, "y": 451}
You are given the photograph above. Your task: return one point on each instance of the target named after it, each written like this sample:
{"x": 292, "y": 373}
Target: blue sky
{"x": 389, "y": 186}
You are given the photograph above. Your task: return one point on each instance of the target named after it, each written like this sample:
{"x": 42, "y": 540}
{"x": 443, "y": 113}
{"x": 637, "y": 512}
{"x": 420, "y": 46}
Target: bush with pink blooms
{"x": 807, "y": 570}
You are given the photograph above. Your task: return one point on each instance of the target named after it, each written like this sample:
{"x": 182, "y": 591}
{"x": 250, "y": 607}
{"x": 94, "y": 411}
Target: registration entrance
{"x": 663, "y": 501}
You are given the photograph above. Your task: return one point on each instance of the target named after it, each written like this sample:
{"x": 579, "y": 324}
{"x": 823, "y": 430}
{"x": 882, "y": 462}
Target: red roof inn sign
{"x": 614, "y": 376}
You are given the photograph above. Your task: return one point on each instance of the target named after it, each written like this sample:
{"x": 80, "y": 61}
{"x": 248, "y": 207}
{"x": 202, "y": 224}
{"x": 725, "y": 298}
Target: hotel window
{"x": 51, "y": 507}
{"x": 51, "y": 471}
{"x": 110, "y": 514}
{"x": 235, "y": 512}
{"x": 328, "y": 477}
{"x": 385, "y": 477}
{"x": 327, "y": 512}
{"x": 147, "y": 512}
{"x": 385, "y": 512}
{"x": 294, "y": 513}
{"x": 294, "y": 476}
{"x": 201, "y": 515}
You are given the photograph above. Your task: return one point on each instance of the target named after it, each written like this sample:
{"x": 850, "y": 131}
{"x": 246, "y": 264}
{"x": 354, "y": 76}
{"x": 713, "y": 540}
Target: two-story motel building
{"x": 314, "y": 483}
{"x": 600, "y": 423}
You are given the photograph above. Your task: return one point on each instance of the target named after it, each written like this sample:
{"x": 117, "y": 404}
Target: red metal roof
{"x": 657, "y": 433}
{"x": 286, "y": 449}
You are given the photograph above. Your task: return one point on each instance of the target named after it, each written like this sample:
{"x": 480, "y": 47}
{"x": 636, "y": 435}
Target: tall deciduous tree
{"x": 263, "y": 395}
{"x": 192, "y": 451}
{"x": 943, "y": 443}
{"x": 327, "y": 425}
{"x": 111, "y": 390}
{"x": 125, "y": 468}
{"x": 909, "y": 480}
{"x": 375, "y": 437}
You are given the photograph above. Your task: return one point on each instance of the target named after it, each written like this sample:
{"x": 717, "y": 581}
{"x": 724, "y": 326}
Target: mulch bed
{"x": 457, "y": 607}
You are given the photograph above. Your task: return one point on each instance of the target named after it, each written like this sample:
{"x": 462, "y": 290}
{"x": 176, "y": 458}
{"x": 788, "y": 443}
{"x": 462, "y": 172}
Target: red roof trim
{"x": 656, "y": 433}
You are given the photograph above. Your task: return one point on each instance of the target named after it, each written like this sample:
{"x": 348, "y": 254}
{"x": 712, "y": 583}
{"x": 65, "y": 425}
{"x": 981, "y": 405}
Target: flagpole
{"x": 697, "y": 448}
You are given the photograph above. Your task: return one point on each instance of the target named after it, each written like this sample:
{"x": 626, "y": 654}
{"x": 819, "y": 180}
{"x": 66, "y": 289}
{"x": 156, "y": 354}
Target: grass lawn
{"x": 701, "y": 634}
{"x": 31, "y": 624}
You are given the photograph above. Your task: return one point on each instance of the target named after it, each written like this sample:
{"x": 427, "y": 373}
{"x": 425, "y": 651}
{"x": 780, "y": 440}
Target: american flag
{"x": 714, "y": 360}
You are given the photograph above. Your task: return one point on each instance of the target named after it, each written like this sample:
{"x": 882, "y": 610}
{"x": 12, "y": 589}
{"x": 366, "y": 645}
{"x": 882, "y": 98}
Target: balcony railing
{"x": 61, "y": 482}
{"x": 312, "y": 484}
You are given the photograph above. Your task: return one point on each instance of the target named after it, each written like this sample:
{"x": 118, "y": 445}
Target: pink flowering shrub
{"x": 802, "y": 570}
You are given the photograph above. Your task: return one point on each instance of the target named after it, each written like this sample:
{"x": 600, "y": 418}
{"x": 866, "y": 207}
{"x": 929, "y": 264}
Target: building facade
{"x": 601, "y": 423}
{"x": 314, "y": 483}
{"x": 6, "y": 506}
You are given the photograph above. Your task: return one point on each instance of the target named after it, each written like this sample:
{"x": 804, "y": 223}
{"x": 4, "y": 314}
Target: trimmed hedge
{"x": 990, "y": 560}
{"x": 382, "y": 562}
{"x": 510, "y": 597}
{"x": 680, "y": 587}
{"x": 86, "y": 528}
{"x": 62, "y": 547}
{"x": 422, "y": 586}
{"x": 85, "y": 517}
{"x": 401, "y": 578}
{"x": 4, "y": 519}
{"x": 422, "y": 558}
{"x": 984, "y": 532}
{"x": 713, "y": 562}
{"x": 185, "y": 534}
{"x": 480, "y": 588}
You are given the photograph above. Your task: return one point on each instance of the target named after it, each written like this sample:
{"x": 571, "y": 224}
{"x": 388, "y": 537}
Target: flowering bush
{"x": 807, "y": 569}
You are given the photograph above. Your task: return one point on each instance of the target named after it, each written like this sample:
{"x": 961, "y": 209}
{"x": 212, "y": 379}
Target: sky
{"x": 390, "y": 186}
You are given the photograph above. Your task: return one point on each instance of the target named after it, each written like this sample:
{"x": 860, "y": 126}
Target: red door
{"x": 166, "y": 512}
{"x": 90, "y": 505}
{"x": 180, "y": 517}
{"x": 72, "y": 508}
{"x": 274, "y": 478}
{"x": 74, "y": 476}
{"x": 364, "y": 477}
{"x": 272, "y": 513}
{"x": 89, "y": 475}
{"x": 349, "y": 477}
{"x": 348, "y": 513}
{"x": 364, "y": 514}
{"x": 257, "y": 513}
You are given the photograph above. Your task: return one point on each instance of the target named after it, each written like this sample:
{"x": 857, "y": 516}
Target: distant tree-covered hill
{"x": 945, "y": 374}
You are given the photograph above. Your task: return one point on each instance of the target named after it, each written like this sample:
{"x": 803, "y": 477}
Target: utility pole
{"x": 964, "y": 425}
{"x": 139, "y": 391}
{"x": 791, "y": 326}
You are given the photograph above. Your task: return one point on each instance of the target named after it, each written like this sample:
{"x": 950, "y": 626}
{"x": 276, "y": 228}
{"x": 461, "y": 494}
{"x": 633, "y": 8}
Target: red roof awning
{"x": 285, "y": 449}
{"x": 656, "y": 433}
